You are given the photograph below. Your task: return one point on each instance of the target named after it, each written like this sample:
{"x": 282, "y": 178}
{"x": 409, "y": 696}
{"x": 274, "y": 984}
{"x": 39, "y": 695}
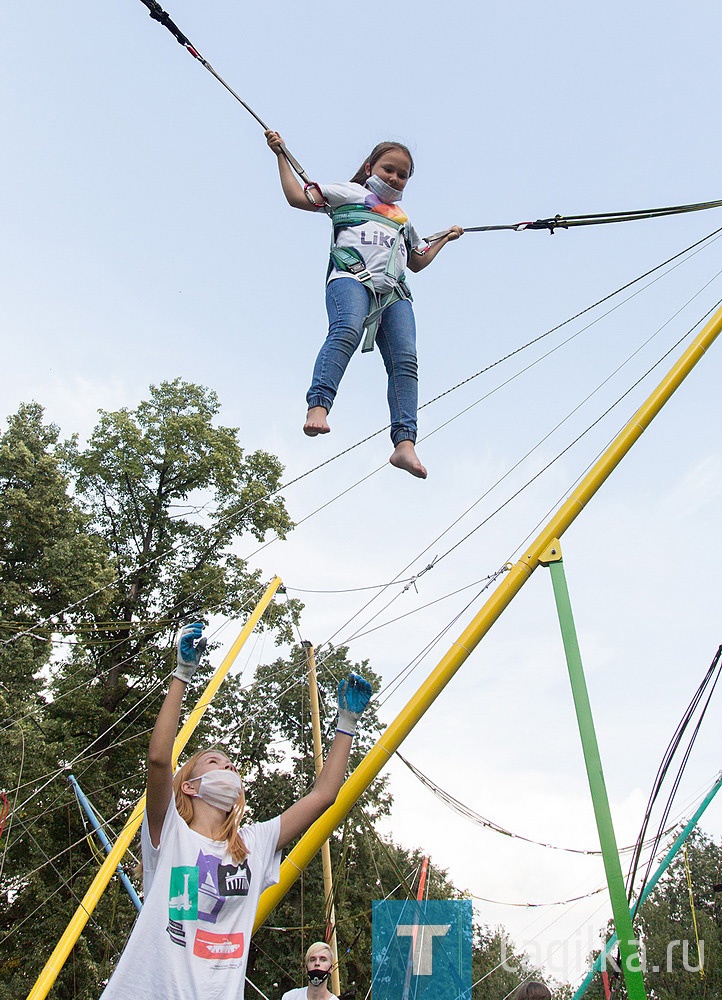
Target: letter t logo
{"x": 422, "y": 936}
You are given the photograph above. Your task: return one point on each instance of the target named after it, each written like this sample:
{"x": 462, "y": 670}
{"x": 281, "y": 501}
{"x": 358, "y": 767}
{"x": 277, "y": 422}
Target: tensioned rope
{"x": 400, "y": 616}
{"x": 84, "y": 757}
{"x": 710, "y": 680}
{"x": 526, "y": 484}
{"x": 468, "y": 813}
{"x": 549, "y": 224}
{"x": 413, "y": 665}
{"x": 51, "y": 860}
{"x": 53, "y": 619}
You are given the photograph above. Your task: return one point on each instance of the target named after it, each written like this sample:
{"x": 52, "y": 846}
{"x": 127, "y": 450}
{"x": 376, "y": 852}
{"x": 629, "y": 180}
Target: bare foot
{"x": 316, "y": 422}
{"x": 405, "y": 457}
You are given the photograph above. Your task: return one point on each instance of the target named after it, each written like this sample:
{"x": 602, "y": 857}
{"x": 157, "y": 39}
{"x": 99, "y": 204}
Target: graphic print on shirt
{"x": 177, "y": 932}
{"x": 234, "y": 880}
{"x": 183, "y": 893}
{"x": 210, "y": 897}
{"x": 221, "y": 947}
{"x": 392, "y": 212}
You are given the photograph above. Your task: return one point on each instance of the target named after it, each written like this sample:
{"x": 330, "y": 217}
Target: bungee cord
{"x": 55, "y": 619}
{"x": 592, "y": 219}
{"x": 157, "y": 625}
{"x": 411, "y": 666}
{"x": 607, "y": 411}
{"x": 529, "y": 481}
{"x": 468, "y": 813}
{"x": 550, "y": 225}
{"x": 158, "y": 14}
{"x": 631, "y": 388}
{"x": 8, "y": 812}
{"x": 710, "y": 680}
{"x": 540, "y": 906}
{"x": 329, "y": 640}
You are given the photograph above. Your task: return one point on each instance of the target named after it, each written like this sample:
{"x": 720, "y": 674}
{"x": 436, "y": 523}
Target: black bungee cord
{"x": 550, "y": 224}
{"x": 595, "y": 219}
{"x": 163, "y": 17}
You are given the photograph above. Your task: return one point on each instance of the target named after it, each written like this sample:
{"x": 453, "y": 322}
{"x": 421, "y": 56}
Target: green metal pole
{"x": 668, "y": 858}
{"x": 610, "y": 854}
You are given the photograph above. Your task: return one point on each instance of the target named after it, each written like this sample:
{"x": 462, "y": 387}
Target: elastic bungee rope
{"x": 550, "y": 224}
{"x": 158, "y": 14}
{"x": 596, "y": 219}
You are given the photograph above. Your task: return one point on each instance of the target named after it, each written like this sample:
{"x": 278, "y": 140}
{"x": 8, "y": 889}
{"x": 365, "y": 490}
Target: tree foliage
{"x": 665, "y": 928}
{"x": 106, "y": 548}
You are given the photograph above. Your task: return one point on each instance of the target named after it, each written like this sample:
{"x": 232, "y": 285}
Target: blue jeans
{"x": 348, "y": 303}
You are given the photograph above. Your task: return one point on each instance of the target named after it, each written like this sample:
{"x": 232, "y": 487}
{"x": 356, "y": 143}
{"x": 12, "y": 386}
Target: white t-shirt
{"x": 190, "y": 941}
{"x": 301, "y": 994}
{"x": 374, "y": 240}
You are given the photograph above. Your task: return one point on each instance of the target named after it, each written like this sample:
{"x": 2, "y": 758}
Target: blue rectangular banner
{"x": 422, "y": 950}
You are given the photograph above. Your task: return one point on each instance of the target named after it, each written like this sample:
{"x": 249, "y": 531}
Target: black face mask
{"x": 317, "y": 976}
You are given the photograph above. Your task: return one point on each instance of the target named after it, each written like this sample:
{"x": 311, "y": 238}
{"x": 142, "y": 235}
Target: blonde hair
{"x": 184, "y": 805}
{"x": 532, "y": 991}
{"x": 315, "y": 947}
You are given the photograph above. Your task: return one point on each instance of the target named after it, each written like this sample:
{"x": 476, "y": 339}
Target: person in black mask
{"x": 319, "y": 961}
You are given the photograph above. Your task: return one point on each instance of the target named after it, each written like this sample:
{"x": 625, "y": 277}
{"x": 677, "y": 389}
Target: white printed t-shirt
{"x": 301, "y": 994}
{"x": 374, "y": 240}
{"x": 190, "y": 941}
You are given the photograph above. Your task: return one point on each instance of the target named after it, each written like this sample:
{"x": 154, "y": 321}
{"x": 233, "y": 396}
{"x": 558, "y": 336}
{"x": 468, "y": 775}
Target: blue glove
{"x": 354, "y": 695}
{"x": 189, "y": 647}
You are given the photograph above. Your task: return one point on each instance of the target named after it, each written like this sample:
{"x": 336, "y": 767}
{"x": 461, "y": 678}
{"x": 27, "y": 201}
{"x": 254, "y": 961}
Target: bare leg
{"x": 404, "y": 457}
{"x": 316, "y": 422}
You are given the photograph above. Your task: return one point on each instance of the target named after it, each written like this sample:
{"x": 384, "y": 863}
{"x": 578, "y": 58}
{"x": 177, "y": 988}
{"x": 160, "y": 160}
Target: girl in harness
{"x": 373, "y": 243}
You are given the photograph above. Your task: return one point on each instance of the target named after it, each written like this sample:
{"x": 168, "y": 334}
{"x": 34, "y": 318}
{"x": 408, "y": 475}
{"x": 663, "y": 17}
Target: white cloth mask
{"x": 383, "y": 190}
{"x": 219, "y": 788}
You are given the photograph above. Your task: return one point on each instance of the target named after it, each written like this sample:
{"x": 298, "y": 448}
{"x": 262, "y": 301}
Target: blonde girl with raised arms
{"x": 203, "y": 873}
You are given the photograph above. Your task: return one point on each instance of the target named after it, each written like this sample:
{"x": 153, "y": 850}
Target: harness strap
{"x": 354, "y": 215}
{"x": 350, "y": 260}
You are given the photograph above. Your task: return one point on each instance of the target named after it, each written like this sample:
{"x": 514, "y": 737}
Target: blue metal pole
{"x": 88, "y": 810}
{"x": 664, "y": 865}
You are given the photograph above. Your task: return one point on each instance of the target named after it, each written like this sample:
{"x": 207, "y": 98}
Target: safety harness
{"x": 349, "y": 259}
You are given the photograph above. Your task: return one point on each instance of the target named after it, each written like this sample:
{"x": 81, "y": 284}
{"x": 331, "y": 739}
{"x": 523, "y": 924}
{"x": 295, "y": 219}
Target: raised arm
{"x": 353, "y": 697}
{"x": 292, "y": 187}
{"x": 189, "y": 646}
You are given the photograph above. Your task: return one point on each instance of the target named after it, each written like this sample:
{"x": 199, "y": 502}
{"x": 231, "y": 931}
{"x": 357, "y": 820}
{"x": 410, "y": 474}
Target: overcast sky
{"x": 145, "y": 238}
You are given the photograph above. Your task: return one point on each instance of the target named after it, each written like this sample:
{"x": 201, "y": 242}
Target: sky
{"x": 146, "y": 238}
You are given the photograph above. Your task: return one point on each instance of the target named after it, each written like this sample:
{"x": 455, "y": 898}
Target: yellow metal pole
{"x": 72, "y": 932}
{"x": 510, "y": 585}
{"x": 325, "y": 847}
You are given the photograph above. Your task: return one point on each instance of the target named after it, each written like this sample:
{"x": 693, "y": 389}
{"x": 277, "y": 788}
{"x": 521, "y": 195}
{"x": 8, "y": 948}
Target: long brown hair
{"x": 376, "y": 153}
{"x": 184, "y": 805}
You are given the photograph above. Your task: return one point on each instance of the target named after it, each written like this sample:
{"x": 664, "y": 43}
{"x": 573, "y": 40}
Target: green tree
{"x": 49, "y": 557}
{"x": 50, "y": 560}
{"x": 120, "y": 542}
{"x": 110, "y": 547}
{"x": 665, "y": 927}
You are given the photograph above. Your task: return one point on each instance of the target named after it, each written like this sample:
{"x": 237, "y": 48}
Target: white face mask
{"x": 383, "y": 190}
{"x": 219, "y": 788}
